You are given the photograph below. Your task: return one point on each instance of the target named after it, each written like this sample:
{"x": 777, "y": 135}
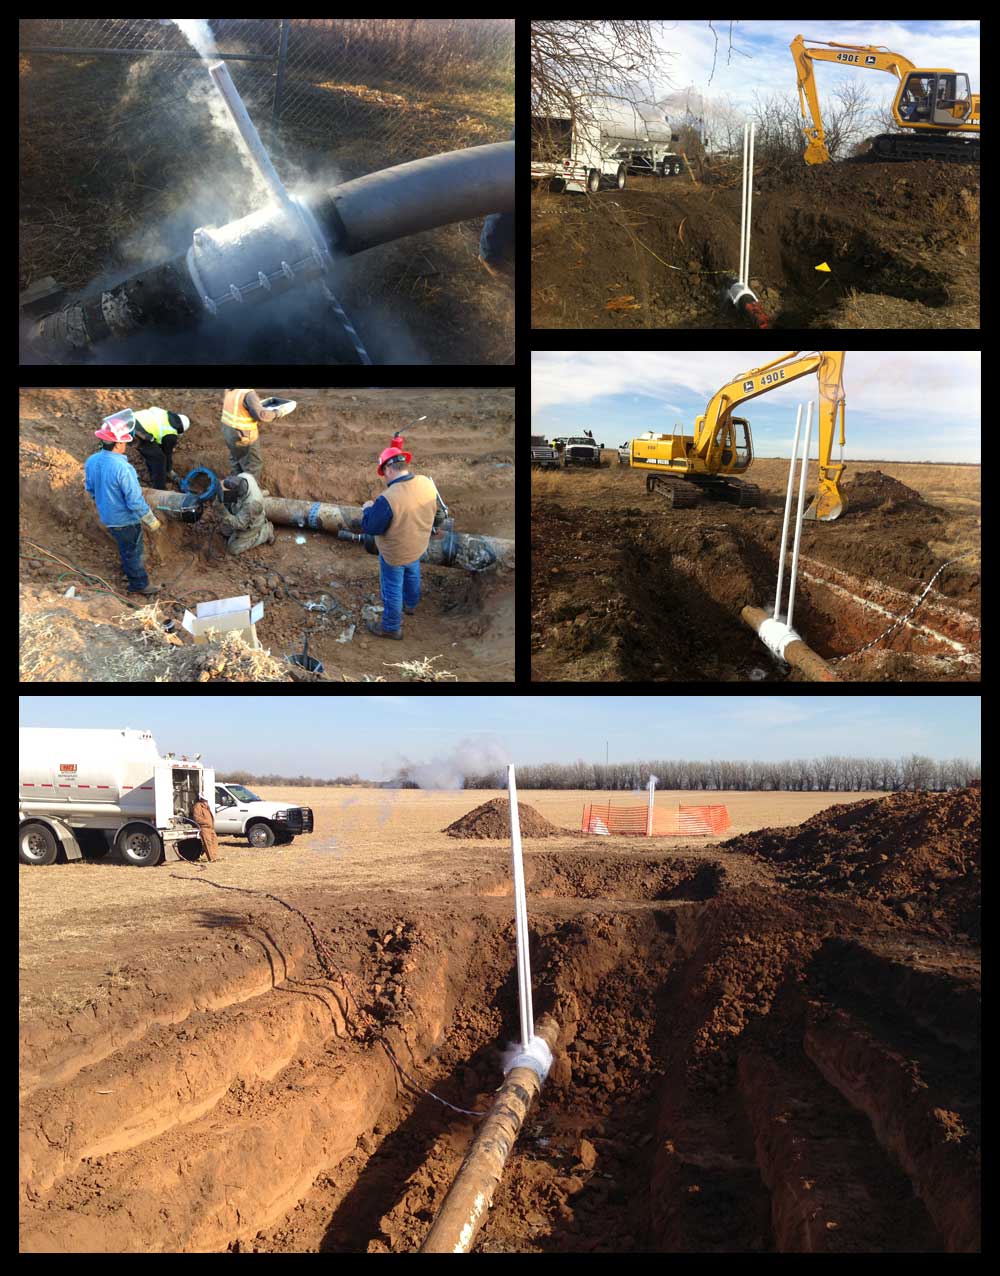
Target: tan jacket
{"x": 414, "y": 504}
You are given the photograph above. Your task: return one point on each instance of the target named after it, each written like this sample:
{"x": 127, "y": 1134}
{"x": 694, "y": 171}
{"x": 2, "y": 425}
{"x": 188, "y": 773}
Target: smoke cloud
{"x": 483, "y": 759}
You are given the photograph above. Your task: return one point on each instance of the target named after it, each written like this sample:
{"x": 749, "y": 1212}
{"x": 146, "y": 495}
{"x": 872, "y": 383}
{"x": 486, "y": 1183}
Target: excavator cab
{"x": 734, "y": 445}
{"x": 934, "y": 98}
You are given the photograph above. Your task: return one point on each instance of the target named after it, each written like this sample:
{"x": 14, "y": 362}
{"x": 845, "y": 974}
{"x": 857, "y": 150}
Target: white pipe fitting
{"x": 776, "y": 635}
{"x": 788, "y": 510}
{"x": 798, "y": 517}
{"x": 520, "y": 920}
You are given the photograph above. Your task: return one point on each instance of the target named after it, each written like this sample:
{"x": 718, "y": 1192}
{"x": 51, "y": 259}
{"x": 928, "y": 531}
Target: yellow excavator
{"x": 933, "y": 104}
{"x": 684, "y": 466}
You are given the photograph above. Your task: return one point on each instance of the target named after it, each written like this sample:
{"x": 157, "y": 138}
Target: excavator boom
{"x": 828, "y": 502}
{"x": 934, "y": 103}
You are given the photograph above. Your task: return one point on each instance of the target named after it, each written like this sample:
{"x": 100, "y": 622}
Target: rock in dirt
{"x": 918, "y": 852}
{"x": 492, "y": 820}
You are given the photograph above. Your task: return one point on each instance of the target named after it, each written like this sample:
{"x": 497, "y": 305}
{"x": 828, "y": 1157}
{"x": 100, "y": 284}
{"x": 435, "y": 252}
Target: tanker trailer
{"x": 85, "y": 792}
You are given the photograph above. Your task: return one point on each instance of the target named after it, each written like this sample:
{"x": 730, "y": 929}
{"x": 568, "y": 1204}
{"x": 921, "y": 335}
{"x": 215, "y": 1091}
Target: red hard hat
{"x": 389, "y": 454}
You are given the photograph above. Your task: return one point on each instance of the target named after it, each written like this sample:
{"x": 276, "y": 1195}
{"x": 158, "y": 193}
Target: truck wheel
{"x": 140, "y": 846}
{"x": 593, "y": 181}
{"x": 261, "y": 835}
{"x": 37, "y": 844}
{"x": 620, "y": 177}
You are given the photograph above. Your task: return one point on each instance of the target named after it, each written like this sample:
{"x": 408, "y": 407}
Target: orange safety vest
{"x": 235, "y": 415}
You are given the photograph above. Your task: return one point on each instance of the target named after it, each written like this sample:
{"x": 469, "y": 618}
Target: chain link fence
{"x": 118, "y": 116}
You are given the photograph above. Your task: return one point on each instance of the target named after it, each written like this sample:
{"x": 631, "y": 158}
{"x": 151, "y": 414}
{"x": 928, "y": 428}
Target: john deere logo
{"x": 869, "y": 61}
{"x": 747, "y": 386}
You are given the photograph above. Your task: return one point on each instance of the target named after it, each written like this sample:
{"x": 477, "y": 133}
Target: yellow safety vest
{"x": 235, "y": 415}
{"x": 156, "y": 423}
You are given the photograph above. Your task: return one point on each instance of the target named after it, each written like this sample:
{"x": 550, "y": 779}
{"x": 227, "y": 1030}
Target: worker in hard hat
{"x": 202, "y": 815}
{"x": 157, "y": 433}
{"x": 242, "y": 412}
{"x": 111, "y": 480}
{"x": 402, "y": 520}
{"x": 243, "y": 514}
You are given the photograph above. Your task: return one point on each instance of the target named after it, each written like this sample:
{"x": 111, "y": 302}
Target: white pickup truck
{"x": 238, "y": 812}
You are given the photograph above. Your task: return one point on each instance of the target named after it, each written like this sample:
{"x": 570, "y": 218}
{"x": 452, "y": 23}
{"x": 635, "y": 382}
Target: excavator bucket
{"x": 827, "y": 504}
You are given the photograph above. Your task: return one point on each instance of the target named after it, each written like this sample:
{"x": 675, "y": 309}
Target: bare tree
{"x": 577, "y": 64}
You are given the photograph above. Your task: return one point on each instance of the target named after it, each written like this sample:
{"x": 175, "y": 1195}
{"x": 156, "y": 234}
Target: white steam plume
{"x": 481, "y": 756}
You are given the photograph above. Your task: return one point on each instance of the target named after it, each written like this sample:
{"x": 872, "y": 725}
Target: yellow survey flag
{"x": 822, "y": 266}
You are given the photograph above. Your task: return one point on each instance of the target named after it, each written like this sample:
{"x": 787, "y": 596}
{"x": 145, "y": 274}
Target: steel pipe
{"x": 463, "y": 1211}
{"x": 267, "y": 253}
{"x": 786, "y": 644}
{"x": 450, "y": 549}
{"x": 418, "y": 196}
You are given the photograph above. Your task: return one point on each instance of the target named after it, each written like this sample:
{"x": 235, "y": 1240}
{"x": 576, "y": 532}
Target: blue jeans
{"x": 400, "y": 588}
{"x": 129, "y": 540}
{"x": 496, "y": 242}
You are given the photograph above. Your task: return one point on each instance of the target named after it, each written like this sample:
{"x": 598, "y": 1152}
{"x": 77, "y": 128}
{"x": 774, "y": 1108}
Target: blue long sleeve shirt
{"x": 376, "y": 519}
{"x": 110, "y": 478}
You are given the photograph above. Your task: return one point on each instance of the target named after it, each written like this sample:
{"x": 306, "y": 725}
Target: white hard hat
{"x": 185, "y": 423}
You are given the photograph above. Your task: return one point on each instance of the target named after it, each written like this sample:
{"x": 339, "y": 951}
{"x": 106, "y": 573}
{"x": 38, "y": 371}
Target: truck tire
{"x": 620, "y": 177}
{"x": 37, "y": 844}
{"x": 140, "y": 845}
{"x": 593, "y": 181}
{"x": 261, "y": 835}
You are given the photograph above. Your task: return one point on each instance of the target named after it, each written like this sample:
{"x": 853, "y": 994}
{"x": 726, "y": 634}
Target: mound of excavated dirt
{"x": 919, "y": 853}
{"x": 492, "y": 820}
{"x": 873, "y": 490}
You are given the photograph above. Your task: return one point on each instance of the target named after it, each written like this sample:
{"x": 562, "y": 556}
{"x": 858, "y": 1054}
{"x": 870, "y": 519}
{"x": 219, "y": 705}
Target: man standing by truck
{"x": 202, "y": 815}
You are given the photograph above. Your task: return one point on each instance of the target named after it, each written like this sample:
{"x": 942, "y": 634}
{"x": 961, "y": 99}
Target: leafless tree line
{"x": 249, "y": 778}
{"x": 825, "y": 774}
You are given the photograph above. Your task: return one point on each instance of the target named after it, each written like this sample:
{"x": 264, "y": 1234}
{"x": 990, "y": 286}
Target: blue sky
{"x": 761, "y": 61}
{"x": 901, "y": 405}
{"x": 370, "y": 735}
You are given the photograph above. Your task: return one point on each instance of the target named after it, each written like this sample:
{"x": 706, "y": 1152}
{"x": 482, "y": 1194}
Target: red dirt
{"x": 747, "y": 1062}
{"x": 917, "y": 852}
{"x": 492, "y": 820}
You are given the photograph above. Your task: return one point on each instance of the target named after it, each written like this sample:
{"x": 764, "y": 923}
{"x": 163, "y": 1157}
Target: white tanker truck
{"x": 87, "y": 792}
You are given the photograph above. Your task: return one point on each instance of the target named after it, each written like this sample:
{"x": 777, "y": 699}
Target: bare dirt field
{"x": 627, "y": 589}
{"x": 325, "y": 450}
{"x": 902, "y": 242}
{"x": 765, "y": 1045}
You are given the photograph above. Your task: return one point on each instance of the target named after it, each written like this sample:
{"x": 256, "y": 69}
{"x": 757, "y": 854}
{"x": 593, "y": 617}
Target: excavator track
{"x": 675, "y": 491}
{"x": 899, "y": 146}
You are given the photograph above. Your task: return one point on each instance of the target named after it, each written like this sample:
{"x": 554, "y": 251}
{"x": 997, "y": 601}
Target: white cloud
{"x": 930, "y": 398}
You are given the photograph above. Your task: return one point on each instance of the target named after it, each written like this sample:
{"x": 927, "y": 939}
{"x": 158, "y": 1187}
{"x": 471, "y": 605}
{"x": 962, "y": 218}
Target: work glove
{"x": 151, "y": 521}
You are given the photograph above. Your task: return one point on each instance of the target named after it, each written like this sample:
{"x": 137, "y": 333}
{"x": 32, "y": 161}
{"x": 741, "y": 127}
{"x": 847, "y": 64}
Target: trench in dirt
{"x": 685, "y": 617}
{"x": 723, "y": 1082}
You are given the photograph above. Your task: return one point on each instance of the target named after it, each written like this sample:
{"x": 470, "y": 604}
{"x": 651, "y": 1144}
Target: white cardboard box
{"x": 224, "y": 613}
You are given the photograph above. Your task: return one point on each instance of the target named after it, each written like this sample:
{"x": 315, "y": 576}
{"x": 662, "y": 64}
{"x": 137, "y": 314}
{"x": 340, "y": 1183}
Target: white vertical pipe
{"x": 269, "y": 175}
{"x": 746, "y": 258}
{"x": 788, "y": 510}
{"x": 798, "y": 517}
{"x": 743, "y": 204}
{"x": 520, "y": 918}
{"x": 649, "y": 813}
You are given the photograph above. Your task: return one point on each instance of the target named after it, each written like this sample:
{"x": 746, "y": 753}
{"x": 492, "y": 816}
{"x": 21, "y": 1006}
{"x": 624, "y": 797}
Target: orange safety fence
{"x": 619, "y": 818}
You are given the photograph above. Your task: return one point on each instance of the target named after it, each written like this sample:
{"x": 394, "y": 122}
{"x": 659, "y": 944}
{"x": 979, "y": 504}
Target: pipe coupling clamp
{"x": 537, "y": 1057}
{"x": 776, "y": 635}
